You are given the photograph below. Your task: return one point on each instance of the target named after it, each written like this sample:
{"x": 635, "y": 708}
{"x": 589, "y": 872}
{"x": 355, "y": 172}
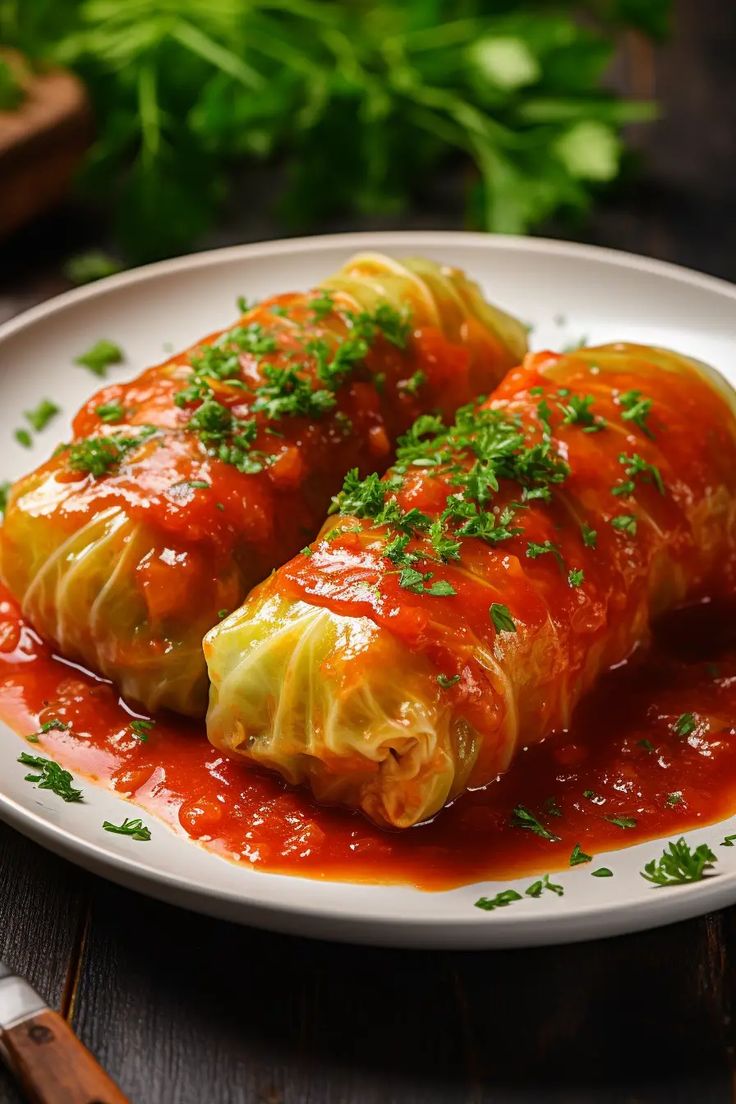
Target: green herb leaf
{"x": 522, "y": 818}
{"x": 576, "y": 576}
{"x": 579, "y": 856}
{"x": 636, "y": 409}
{"x": 622, "y": 821}
{"x": 679, "y": 864}
{"x": 601, "y": 872}
{"x": 40, "y": 417}
{"x": 100, "y": 356}
{"x": 50, "y": 776}
{"x": 110, "y": 412}
{"x": 625, "y": 523}
{"x": 501, "y": 618}
{"x": 505, "y": 897}
{"x": 537, "y": 888}
{"x": 685, "y": 724}
{"x": 23, "y": 438}
{"x": 590, "y": 536}
{"x": 4, "y": 492}
{"x": 141, "y": 728}
{"x": 446, "y": 681}
{"x": 728, "y": 841}
{"x": 136, "y": 829}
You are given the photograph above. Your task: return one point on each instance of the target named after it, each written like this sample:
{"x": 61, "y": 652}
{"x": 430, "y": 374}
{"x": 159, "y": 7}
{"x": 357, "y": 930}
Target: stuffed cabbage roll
{"x": 456, "y": 610}
{"x": 184, "y": 487}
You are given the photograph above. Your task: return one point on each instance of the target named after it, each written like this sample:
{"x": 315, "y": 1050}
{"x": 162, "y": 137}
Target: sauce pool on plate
{"x": 651, "y": 752}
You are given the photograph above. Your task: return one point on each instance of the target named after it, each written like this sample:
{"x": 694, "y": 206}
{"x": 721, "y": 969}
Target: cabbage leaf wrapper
{"x": 183, "y": 488}
{"x": 455, "y": 611}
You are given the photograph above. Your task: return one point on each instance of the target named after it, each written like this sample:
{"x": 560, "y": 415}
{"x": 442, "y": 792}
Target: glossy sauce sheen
{"x": 622, "y": 748}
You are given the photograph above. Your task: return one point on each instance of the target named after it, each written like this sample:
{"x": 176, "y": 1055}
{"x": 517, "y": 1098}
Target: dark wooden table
{"x": 187, "y": 1010}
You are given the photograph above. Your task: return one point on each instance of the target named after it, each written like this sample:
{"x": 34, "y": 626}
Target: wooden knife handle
{"x": 52, "y": 1066}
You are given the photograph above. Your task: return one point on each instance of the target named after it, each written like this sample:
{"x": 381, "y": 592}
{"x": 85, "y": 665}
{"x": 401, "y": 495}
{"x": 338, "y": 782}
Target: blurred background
{"x": 132, "y": 130}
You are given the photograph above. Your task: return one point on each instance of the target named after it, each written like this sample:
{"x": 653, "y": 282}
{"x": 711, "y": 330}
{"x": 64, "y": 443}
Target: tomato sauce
{"x": 623, "y": 758}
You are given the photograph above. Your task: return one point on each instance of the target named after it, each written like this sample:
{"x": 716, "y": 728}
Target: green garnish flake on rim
{"x": 49, "y": 775}
{"x": 100, "y": 356}
{"x": 601, "y": 872}
{"x": 136, "y": 829}
{"x": 537, "y": 888}
{"x": 41, "y": 415}
{"x": 680, "y": 864}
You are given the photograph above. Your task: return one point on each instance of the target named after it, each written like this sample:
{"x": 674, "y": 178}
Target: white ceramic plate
{"x": 567, "y": 292}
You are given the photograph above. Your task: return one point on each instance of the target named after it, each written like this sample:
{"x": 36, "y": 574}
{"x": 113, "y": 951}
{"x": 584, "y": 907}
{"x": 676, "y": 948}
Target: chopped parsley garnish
{"x": 680, "y": 864}
{"x": 222, "y": 613}
{"x": 50, "y": 776}
{"x": 622, "y": 821}
{"x": 635, "y": 465}
{"x": 675, "y": 798}
{"x": 577, "y": 410}
{"x": 625, "y": 523}
{"x": 322, "y": 305}
{"x": 534, "y": 550}
{"x": 195, "y": 484}
{"x": 728, "y": 841}
{"x": 589, "y": 535}
{"x": 446, "y": 681}
{"x": 501, "y": 618}
{"x": 23, "y": 438}
{"x": 111, "y": 412}
{"x": 287, "y": 394}
{"x": 537, "y": 888}
{"x": 576, "y": 576}
{"x": 96, "y": 455}
{"x": 136, "y": 829}
{"x": 647, "y": 745}
{"x": 685, "y": 724}
{"x": 416, "y": 581}
{"x": 509, "y": 896}
{"x": 522, "y": 818}
{"x": 242, "y": 304}
{"x": 100, "y": 356}
{"x": 141, "y": 727}
{"x": 505, "y": 897}
{"x": 40, "y": 417}
{"x": 415, "y": 382}
{"x": 636, "y": 408}
{"x": 579, "y": 856}
{"x": 601, "y": 872}
{"x": 4, "y": 492}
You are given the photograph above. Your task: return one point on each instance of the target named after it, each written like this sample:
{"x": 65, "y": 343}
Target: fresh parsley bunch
{"x": 363, "y": 99}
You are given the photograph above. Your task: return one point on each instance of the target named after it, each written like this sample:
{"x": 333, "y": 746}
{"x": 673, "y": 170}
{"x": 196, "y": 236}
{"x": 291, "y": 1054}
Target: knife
{"x": 40, "y": 1048}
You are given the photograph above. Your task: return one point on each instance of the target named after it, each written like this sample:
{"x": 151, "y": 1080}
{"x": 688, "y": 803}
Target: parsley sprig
{"x": 49, "y": 775}
{"x": 680, "y": 864}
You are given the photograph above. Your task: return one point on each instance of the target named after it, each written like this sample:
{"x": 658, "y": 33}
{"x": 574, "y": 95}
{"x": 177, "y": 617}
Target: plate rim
{"x": 312, "y": 917}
